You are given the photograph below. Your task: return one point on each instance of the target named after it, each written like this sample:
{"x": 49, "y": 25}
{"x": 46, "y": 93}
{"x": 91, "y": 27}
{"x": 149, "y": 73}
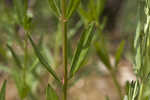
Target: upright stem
{"x": 112, "y": 72}
{"x": 141, "y": 91}
{"x": 64, "y": 31}
{"x": 117, "y": 85}
{"x": 25, "y": 53}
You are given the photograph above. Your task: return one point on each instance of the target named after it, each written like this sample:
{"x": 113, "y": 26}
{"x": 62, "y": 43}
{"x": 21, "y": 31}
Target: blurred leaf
{"x": 138, "y": 61}
{"x": 74, "y": 30}
{"x": 3, "y": 52}
{"x": 92, "y": 10}
{"x": 82, "y": 49}
{"x": 54, "y": 6}
{"x": 119, "y": 52}
{"x": 135, "y": 91}
{"x": 73, "y": 4}
{"x": 103, "y": 55}
{"x": 107, "y": 98}
{"x": 148, "y": 77}
{"x": 3, "y": 91}
{"x": 43, "y": 60}
{"x": 16, "y": 59}
{"x": 5, "y": 69}
{"x": 48, "y": 55}
{"x": 19, "y": 7}
{"x": 125, "y": 97}
{"x": 22, "y": 87}
{"x": 100, "y": 6}
{"x": 132, "y": 90}
{"x": 138, "y": 32}
{"x": 34, "y": 64}
{"x": 83, "y": 14}
{"x": 51, "y": 94}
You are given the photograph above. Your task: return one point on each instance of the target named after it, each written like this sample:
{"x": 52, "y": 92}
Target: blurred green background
{"x": 116, "y": 20}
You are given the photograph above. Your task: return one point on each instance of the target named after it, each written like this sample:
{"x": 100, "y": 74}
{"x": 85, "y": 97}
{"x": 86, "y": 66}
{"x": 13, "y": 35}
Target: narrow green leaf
{"x": 103, "y": 55}
{"x": 54, "y": 6}
{"x": 2, "y": 51}
{"x": 74, "y": 30}
{"x": 3, "y": 90}
{"x": 82, "y": 49}
{"x": 119, "y": 52}
{"x": 34, "y": 64}
{"x": 22, "y": 87}
{"x": 43, "y": 60}
{"x": 135, "y": 90}
{"x": 92, "y": 10}
{"x": 83, "y": 14}
{"x": 16, "y": 58}
{"x": 51, "y": 94}
{"x": 21, "y": 9}
{"x": 100, "y": 6}
{"x": 73, "y": 4}
{"x": 137, "y": 36}
{"x": 138, "y": 60}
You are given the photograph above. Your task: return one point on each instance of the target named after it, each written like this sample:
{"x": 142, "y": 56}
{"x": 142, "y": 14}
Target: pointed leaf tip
{"x": 16, "y": 58}
{"x": 103, "y": 55}
{"x": 54, "y": 7}
{"x": 82, "y": 49}
{"x": 119, "y": 52}
{"x": 43, "y": 60}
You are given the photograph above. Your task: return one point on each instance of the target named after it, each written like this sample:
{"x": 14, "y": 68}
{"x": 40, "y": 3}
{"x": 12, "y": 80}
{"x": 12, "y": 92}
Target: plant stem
{"x": 112, "y": 72}
{"x": 25, "y": 51}
{"x": 141, "y": 91}
{"x": 116, "y": 84}
{"x": 64, "y": 32}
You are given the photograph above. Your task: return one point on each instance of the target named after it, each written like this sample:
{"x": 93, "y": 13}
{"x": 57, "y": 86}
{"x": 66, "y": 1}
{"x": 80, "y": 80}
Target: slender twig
{"x": 64, "y": 32}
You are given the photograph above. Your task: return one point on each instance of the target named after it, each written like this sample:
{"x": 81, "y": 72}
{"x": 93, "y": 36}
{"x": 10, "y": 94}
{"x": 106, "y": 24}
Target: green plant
{"x": 92, "y": 10}
{"x": 64, "y": 11}
{"x": 21, "y": 71}
{"x": 26, "y": 64}
{"x": 3, "y": 91}
{"x": 78, "y": 58}
{"x": 139, "y": 89}
{"x": 104, "y": 57}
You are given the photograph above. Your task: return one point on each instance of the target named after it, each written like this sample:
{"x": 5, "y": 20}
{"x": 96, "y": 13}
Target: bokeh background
{"x": 118, "y": 19}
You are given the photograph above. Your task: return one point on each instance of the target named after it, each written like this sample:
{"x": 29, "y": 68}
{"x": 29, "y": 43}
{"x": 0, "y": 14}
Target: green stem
{"x": 64, "y": 32}
{"x": 117, "y": 85}
{"x": 141, "y": 92}
{"x": 112, "y": 72}
{"x": 25, "y": 58}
